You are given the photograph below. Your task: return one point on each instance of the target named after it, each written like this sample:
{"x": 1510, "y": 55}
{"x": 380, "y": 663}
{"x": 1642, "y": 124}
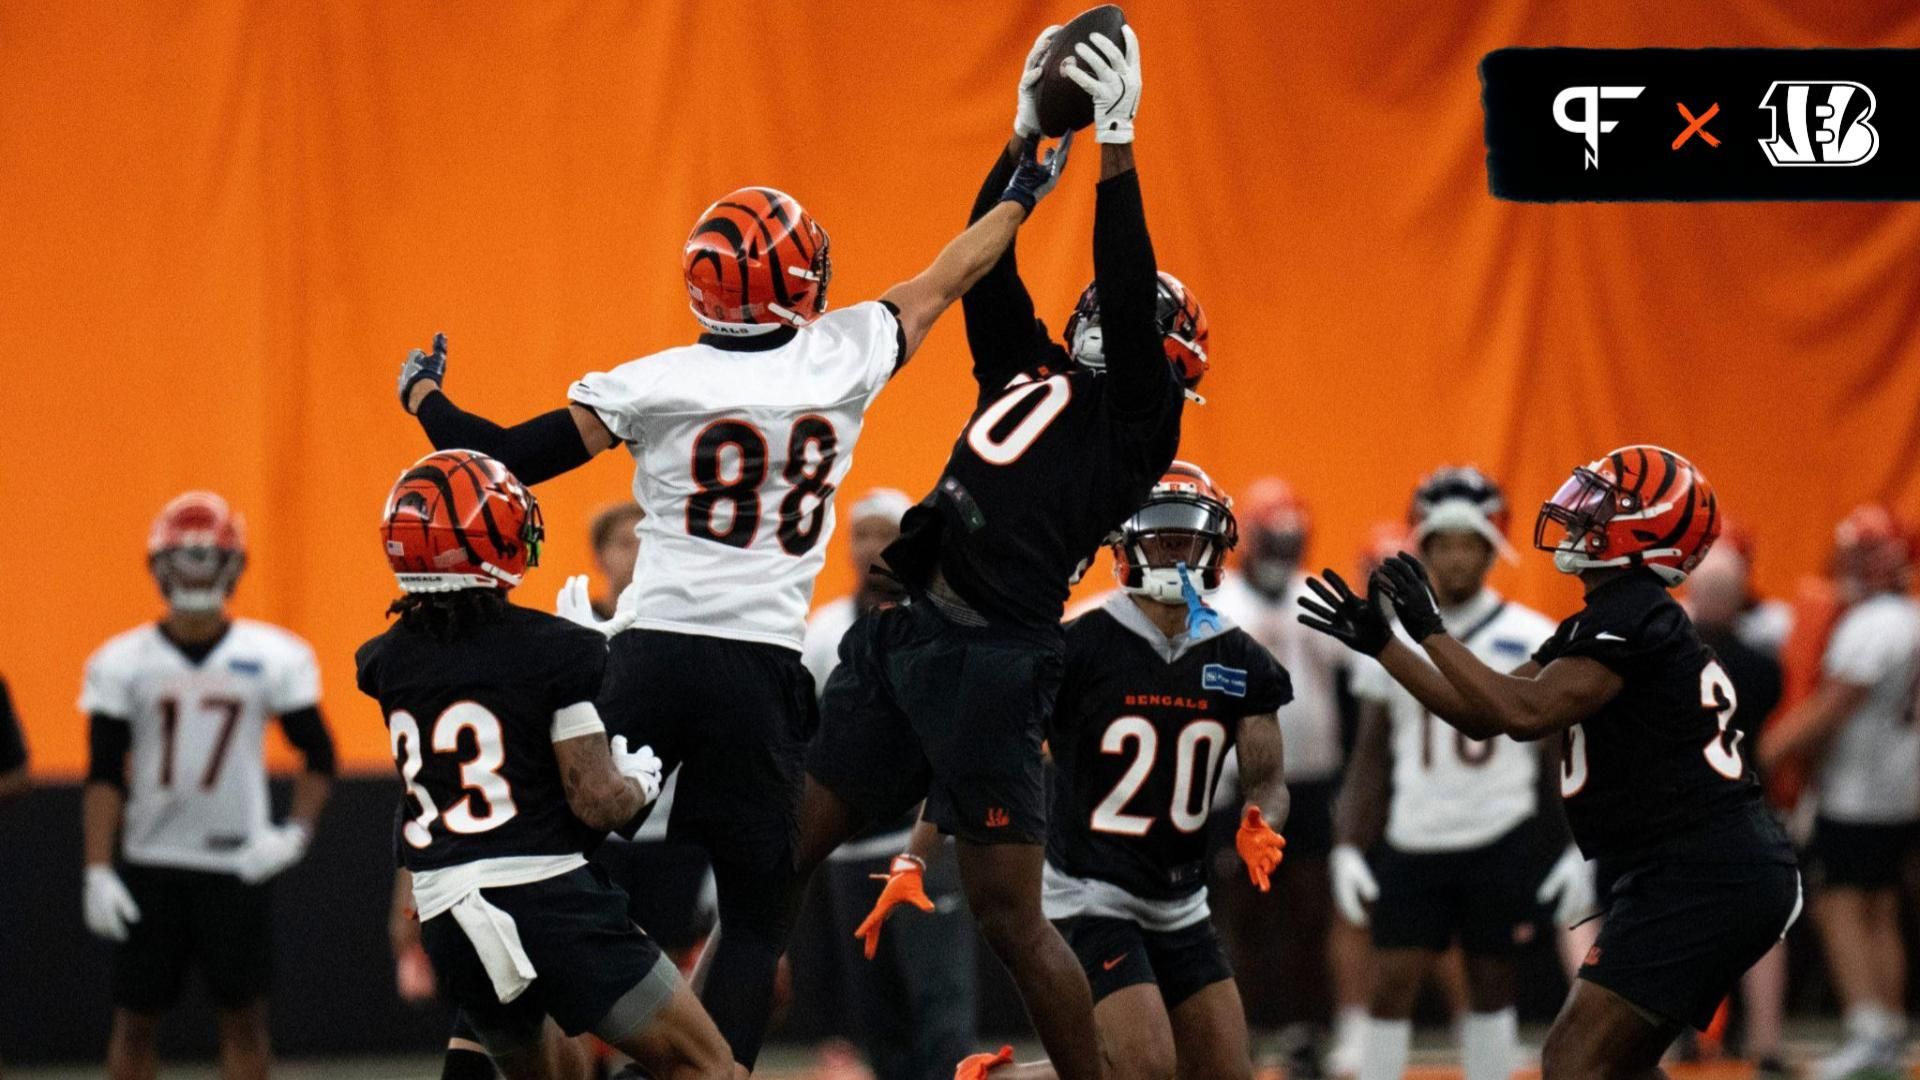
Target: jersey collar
{"x": 1128, "y": 614}
{"x": 197, "y": 653}
{"x": 772, "y": 339}
{"x": 1471, "y": 613}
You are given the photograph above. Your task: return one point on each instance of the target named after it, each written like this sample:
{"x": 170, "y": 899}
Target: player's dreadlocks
{"x": 449, "y": 616}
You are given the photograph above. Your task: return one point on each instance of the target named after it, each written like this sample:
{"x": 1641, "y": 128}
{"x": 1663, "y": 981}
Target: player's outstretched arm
{"x": 1263, "y": 767}
{"x": 967, "y": 258}
{"x": 1360, "y": 814}
{"x": 607, "y": 785}
{"x": 1531, "y": 703}
{"x": 1123, "y": 263}
{"x": 1359, "y": 623}
{"x": 534, "y": 451}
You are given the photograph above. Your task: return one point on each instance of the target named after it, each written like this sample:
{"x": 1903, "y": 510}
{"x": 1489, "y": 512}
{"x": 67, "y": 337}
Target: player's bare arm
{"x": 535, "y": 450}
{"x": 598, "y": 793}
{"x": 922, "y": 299}
{"x": 1359, "y": 623}
{"x": 1263, "y": 767}
{"x": 1360, "y": 815}
{"x": 1809, "y": 726}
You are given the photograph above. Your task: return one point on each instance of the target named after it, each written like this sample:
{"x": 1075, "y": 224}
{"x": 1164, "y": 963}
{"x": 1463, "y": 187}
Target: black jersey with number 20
{"x": 1661, "y": 764}
{"x": 470, "y": 723}
{"x": 1138, "y": 740}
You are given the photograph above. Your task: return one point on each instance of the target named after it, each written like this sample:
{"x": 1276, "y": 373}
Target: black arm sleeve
{"x": 13, "y": 748}
{"x": 1001, "y": 327}
{"x": 307, "y": 731}
{"x": 536, "y": 450}
{"x": 108, "y": 740}
{"x": 1128, "y": 280}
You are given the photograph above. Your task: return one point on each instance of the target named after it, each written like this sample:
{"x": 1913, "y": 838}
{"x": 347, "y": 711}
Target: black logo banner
{"x": 1702, "y": 124}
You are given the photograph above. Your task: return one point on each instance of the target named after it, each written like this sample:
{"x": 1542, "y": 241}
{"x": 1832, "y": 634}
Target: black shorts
{"x": 1482, "y": 897}
{"x": 664, "y": 883}
{"x": 734, "y": 715}
{"x": 1678, "y": 935}
{"x": 193, "y": 918}
{"x": 1118, "y": 953}
{"x": 1860, "y": 856}
{"x": 594, "y": 969}
{"x": 921, "y": 706}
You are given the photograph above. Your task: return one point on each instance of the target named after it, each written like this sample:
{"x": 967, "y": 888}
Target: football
{"x": 1063, "y": 105}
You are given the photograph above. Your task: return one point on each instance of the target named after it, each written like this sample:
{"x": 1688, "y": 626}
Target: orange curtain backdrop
{"x": 226, "y": 222}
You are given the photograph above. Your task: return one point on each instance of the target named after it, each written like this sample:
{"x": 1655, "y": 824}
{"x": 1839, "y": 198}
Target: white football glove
{"x": 1353, "y": 884}
{"x": 271, "y": 851}
{"x": 574, "y": 606}
{"x": 641, "y": 764}
{"x": 1569, "y": 888}
{"x": 1026, "y": 116}
{"x": 1112, "y": 79}
{"x": 106, "y": 904}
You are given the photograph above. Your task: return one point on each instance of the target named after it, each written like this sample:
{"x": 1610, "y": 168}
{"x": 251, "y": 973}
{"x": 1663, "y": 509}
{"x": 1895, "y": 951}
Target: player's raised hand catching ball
{"x": 420, "y": 369}
{"x": 1026, "y": 116}
{"x": 1111, "y": 79}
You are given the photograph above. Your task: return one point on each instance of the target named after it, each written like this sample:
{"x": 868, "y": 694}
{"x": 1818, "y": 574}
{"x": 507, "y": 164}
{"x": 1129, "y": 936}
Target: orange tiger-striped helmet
{"x": 457, "y": 519}
{"x": 1186, "y": 520}
{"x": 1637, "y": 506}
{"x": 755, "y": 262}
{"x": 196, "y": 550}
{"x": 1183, "y": 329}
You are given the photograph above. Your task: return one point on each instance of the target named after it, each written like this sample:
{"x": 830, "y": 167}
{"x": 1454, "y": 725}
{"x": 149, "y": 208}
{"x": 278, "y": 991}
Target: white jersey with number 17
{"x": 737, "y": 455}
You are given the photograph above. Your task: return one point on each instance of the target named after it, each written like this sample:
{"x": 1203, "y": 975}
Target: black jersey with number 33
{"x": 1138, "y": 741}
{"x": 470, "y": 723}
{"x": 1055, "y": 455}
{"x": 1661, "y": 765}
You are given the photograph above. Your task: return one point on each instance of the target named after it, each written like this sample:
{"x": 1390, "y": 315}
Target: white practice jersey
{"x": 196, "y": 779}
{"x": 1451, "y": 792}
{"x": 1310, "y": 724}
{"x": 737, "y": 455}
{"x": 1871, "y": 774}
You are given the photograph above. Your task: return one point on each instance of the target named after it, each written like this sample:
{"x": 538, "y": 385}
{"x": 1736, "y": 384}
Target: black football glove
{"x": 1355, "y": 620}
{"x": 1406, "y": 585}
{"x": 421, "y": 365}
{"x": 1037, "y": 173}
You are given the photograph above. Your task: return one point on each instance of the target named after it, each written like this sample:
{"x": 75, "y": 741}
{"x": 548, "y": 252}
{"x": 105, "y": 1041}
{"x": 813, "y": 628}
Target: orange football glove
{"x": 1260, "y": 847}
{"x": 977, "y": 1066}
{"x": 905, "y": 884}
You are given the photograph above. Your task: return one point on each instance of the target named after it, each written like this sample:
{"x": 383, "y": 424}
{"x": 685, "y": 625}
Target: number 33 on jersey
{"x": 738, "y": 451}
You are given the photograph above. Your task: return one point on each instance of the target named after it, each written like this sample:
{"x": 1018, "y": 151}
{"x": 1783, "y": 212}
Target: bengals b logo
{"x": 1820, "y": 123}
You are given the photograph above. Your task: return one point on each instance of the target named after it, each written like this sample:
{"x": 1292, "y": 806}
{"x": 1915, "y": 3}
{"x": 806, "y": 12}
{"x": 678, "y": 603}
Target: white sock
{"x": 1384, "y": 1046}
{"x": 1488, "y": 1044}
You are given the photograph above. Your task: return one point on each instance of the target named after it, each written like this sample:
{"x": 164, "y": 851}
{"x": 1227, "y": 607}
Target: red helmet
{"x": 1186, "y": 520}
{"x": 1276, "y": 520}
{"x": 1637, "y": 506}
{"x": 457, "y": 519}
{"x": 196, "y": 550}
{"x": 1183, "y": 330}
{"x": 755, "y": 262}
{"x": 1873, "y": 547}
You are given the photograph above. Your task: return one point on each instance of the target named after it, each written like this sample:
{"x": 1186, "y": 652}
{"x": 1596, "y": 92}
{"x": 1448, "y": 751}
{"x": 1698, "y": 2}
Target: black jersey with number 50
{"x": 1138, "y": 740}
{"x": 1660, "y": 765}
{"x": 470, "y": 723}
{"x": 1055, "y": 455}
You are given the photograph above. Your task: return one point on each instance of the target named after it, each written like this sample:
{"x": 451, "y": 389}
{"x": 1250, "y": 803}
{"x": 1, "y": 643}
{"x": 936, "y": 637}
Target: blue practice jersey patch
{"x": 1511, "y": 647}
{"x": 1228, "y": 680}
{"x": 244, "y": 667}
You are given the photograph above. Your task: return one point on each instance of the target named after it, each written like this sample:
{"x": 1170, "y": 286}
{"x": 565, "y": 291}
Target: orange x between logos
{"x": 1697, "y": 125}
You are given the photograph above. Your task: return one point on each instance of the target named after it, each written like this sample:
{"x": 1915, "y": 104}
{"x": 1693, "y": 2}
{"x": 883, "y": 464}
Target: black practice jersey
{"x": 471, "y": 726}
{"x": 1055, "y": 455}
{"x": 1663, "y": 762}
{"x": 1137, "y": 744}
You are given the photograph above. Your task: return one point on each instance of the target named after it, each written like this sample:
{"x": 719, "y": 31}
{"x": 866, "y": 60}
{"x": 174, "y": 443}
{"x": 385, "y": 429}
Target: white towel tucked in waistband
{"x": 496, "y": 940}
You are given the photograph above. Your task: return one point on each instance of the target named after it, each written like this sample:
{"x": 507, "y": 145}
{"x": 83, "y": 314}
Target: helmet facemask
{"x": 197, "y": 578}
{"x": 1171, "y": 531}
{"x": 1582, "y": 507}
